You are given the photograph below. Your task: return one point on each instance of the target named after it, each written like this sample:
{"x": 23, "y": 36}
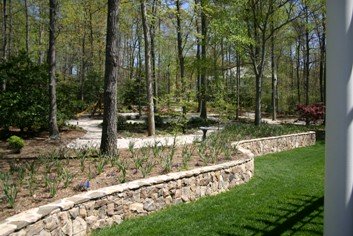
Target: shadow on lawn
{"x": 299, "y": 215}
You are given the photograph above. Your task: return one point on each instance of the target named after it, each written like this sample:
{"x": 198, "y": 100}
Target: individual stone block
{"x": 149, "y": 205}
{"x": 44, "y": 233}
{"x": 136, "y": 207}
{"x": 74, "y": 212}
{"x": 67, "y": 228}
{"x": 110, "y": 209}
{"x": 79, "y": 226}
{"x": 51, "y": 223}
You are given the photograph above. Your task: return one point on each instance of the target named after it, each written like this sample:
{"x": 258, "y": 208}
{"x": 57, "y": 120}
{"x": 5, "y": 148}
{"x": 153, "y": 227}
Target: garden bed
{"x": 64, "y": 172}
{"x": 86, "y": 211}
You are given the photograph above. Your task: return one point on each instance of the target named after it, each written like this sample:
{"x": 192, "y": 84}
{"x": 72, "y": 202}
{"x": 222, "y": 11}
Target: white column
{"x": 338, "y": 214}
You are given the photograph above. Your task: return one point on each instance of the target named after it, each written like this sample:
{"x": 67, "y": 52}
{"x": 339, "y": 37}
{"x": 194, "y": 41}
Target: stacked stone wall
{"x": 79, "y": 214}
{"x": 262, "y": 146}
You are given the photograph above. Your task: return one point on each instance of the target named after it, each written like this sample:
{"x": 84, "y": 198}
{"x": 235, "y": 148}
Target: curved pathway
{"x": 94, "y": 133}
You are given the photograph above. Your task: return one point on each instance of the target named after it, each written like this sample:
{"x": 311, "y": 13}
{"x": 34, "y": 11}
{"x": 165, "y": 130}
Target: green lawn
{"x": 284, "y": 198}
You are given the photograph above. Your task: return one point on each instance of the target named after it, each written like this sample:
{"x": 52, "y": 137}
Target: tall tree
{"x": 40, "y": 38}
{"x": 198, "y": 54}
{"x": 4, "y": 38}
{"x": 109, "y": 132}
{"x": 53, "y": 126}
{"x": 27, "y": 26}
{"x": 148, "y": 69}
{"x": 258, "y": 17}
{"x": 273, "y": 76}
{"x": 11, "y": 26}
{"x": 180, "y": 49}
{"x": 203, "y": 80}
{"x": 307, "y": 57}
{"x": 153, "y": 27}
{"x": 322, "y": 73}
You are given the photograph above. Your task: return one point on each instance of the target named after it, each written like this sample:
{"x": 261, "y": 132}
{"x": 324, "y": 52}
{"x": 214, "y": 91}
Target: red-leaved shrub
{"x": 311, "y": 113}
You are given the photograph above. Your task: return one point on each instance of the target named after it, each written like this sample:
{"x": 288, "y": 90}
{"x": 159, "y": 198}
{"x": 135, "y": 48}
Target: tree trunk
{"x": 259, "y": 76}
{"x": 109, "y": 132}
{"x": 153, "y": 54}
{"x": 53, "y": 126}
{"x": 40, "y": 43}
{"x": 139, "y": 61}
{"x": 27, "y": 26}
{"x": 4, "y": 39}
{"x": 180, "y": 53}
{"x": 203, "y": 86}
{"x": 83, "y": 66}
{"x": 274, "y": 78}
{"x": 323, "y": 62}
{"x": 238, "y": 86}
{"x": 148, "y": 72}
{"x": 11, "y": 33}
{"x": 198, "y": 56}
{"x": 258, "y": 81}
{"x": 307, "y": 58}
{"x": 180, "y": 46}
{"x": 298, "y": 71}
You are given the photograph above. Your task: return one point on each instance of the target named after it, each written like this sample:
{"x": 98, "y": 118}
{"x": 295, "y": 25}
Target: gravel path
{"x": 94, "y": 133}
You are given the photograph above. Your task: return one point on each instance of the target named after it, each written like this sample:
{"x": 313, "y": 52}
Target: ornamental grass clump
{"x": 10, "y": 188}
{"x": 147, "y": 163}
{"x": 100, "y": 164}
{"x": 31, "y": 179}
{"x": 167, "y": 160}
{"x": 122, "y": 167}
{"x": 157, "y": 149}
{"x": 51, "y": 183}
{"x": 186, "y": 155}
{"x": 202, "y": 151}
{"x": 67, "y": 177}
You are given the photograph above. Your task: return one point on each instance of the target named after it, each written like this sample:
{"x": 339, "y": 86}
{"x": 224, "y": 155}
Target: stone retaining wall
{"x": 262, "y": 146}
{"x": 79, "y": 214}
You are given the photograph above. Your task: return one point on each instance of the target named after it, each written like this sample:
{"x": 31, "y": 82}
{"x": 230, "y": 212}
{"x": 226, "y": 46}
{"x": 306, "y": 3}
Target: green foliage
{"x": 121, "y": 122}
{"x": 24, "y": 104}
{"x": 10, "y": 191}
{"x": 67, "y": 99}
{"x": 132, "y": 92}
{"x": 196, "y": 122}
{"x": 93, "y": 87}
{"x": 16, "y": 143}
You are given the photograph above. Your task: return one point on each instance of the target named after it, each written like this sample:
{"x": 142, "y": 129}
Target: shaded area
{"x": 298, "y": 215}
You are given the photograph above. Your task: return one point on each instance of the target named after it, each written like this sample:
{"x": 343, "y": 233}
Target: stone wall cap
{"x": 6, "y": 229}
{"x": 234, "y": 144}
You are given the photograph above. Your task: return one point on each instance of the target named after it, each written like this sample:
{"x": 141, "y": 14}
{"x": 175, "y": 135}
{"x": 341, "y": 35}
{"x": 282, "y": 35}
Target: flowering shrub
{"x": 311, "y": 113}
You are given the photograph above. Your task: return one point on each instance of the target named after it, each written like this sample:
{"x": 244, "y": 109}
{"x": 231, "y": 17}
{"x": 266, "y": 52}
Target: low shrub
{"x": 121, "y": 122}
{"x": 16, "y": 143}
{"x": 195, "y": 122}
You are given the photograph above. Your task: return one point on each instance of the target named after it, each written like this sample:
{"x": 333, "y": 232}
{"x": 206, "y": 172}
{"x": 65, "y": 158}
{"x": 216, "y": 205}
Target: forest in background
{"x": 222, "y": 56}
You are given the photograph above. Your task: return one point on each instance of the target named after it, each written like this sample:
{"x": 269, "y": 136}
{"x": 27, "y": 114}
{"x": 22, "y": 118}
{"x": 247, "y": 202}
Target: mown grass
{"x": 284, "y": 198}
